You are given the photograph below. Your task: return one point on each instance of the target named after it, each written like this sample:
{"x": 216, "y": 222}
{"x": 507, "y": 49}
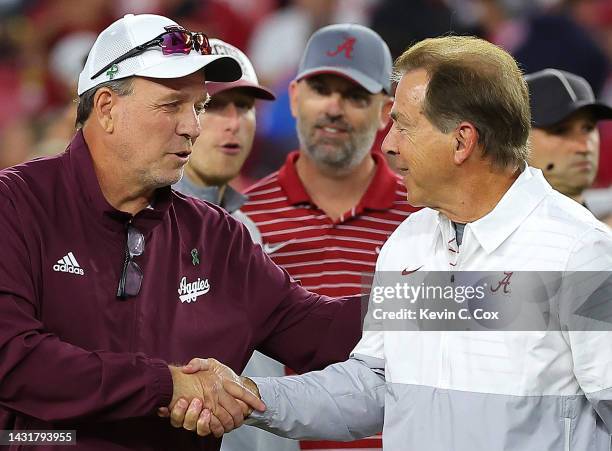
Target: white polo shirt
{"x": 505, "y": 380}
{"x": 546, "y": 389}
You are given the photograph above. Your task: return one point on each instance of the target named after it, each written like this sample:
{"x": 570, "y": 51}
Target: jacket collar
{"x": 525, "y": 194}
{"x": 232, "y": 200}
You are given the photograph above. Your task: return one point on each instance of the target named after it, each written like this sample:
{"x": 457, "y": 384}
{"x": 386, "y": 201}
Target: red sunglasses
{"x": 174, "y": 40}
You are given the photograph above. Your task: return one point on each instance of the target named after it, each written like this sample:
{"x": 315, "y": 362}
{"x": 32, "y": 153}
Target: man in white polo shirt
{"x": 460, "y": 125}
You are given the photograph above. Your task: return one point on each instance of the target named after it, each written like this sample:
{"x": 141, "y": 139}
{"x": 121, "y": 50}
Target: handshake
{"x": 208, "y": 397}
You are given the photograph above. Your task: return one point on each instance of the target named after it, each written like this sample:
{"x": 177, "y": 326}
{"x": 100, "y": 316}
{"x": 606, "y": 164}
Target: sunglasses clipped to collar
{"x": 173, "y": 41}
{"x": 131, "y": 275}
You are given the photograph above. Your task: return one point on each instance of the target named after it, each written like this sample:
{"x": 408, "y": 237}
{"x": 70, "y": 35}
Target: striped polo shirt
{"x": 328, "y": 257}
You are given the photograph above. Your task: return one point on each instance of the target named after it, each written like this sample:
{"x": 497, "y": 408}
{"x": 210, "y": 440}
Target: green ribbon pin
{"x": 195, "y": 257}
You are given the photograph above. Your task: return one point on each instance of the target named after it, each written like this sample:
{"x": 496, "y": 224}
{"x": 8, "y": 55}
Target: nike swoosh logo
{"x": 271, "y": 248}
{"x": 405, "y": 272}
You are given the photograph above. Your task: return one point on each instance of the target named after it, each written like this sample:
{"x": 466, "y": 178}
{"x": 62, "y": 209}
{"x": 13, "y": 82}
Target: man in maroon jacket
{"x": 108, "y": 278}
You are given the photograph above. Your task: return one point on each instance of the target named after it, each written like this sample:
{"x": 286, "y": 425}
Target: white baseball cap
{"x": 131, "y": 31}
{"x": 248, "y": 80}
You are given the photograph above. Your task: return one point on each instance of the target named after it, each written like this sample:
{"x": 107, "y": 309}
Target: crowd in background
{"x": 43, "y": 44}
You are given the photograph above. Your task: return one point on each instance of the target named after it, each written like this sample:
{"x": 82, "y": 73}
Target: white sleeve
{"x": 587, "y": 324}
{"x": 372, "y": 339}
{"x": 344, "y": 402}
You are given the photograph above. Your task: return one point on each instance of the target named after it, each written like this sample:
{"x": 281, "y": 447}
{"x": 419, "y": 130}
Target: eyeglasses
{"x": 131, "y": 276}
{"x": 174, "y": 40}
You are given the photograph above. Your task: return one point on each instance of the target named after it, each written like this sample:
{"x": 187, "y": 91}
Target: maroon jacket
{"x": 74, "y": 356}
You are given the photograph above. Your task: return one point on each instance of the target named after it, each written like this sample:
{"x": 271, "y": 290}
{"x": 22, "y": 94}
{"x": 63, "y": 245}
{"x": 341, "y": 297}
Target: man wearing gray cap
{"x": 327, "y": 212}
{"x": 109, "y": 279}
{"x": 564, "y": 136}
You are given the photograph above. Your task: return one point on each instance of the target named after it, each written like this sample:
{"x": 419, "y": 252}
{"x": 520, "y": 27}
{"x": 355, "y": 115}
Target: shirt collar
{"x": 232, "y": 200}
{"x": 81, "y": 169}
{"x": 527, "y": 191}
{"x": 380, "y": 194}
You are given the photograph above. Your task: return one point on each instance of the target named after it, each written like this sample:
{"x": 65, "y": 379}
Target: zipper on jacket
{"x": 567, "y": 422}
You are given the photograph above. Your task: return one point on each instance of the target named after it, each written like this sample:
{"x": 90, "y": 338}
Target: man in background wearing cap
{"x": 225, "y": 142}
{"x": 327, "y": 212}
{"x": 538, "y": 377}
{"x": 564, "y": 136}
{"x": 228, "y": 130}
{"x": 109, "y": 278}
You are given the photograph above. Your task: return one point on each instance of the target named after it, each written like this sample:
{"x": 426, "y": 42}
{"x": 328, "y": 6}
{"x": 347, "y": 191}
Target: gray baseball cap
{"x": 349, "y": 50}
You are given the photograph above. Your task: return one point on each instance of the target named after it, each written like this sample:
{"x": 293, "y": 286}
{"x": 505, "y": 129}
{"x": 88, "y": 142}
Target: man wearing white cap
{"x": 109, "y": 279}
{"x": 228, "y": 130}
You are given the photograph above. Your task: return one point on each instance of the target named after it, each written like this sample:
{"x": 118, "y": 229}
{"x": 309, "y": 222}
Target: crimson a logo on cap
{"x": 345, "y": 46}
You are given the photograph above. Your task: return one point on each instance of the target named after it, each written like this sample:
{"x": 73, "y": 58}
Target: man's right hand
{"x": 209, "y": 397}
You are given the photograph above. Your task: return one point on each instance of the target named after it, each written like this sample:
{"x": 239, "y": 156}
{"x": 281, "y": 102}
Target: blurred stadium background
{"x": 43, "y": 44}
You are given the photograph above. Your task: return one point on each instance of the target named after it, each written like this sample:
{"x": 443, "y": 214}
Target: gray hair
{"x": 122, "y": 87}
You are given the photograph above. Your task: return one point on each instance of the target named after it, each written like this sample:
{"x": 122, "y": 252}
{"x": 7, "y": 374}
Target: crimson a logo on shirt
{"x": 190, "y": 291}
